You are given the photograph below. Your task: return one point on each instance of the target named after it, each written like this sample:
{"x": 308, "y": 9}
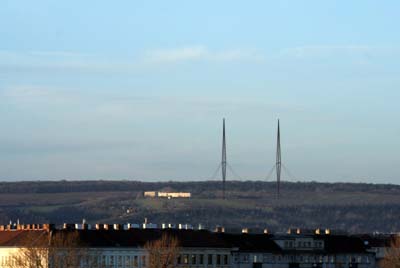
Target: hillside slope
{"x": 354, "y": 207}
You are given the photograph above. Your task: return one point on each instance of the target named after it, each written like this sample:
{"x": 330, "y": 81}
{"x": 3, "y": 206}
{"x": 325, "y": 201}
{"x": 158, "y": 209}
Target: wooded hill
{"x": 354, "y": 207}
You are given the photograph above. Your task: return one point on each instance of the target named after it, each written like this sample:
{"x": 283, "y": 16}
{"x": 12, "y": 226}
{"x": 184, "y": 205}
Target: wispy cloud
{"x": 54, "y": 53}
{"x": 34, "y": 93}
{"x": 70, "y": 61}
{"x": 326, "y": 51}
{"x": 180, "y": 54}
{"x": 197, "y": 53}
{"x": 60, "y": 61}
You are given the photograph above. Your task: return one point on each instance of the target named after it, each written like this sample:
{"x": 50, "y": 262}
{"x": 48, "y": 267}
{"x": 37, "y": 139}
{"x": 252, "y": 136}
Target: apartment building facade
{"x": 119, "y": 248}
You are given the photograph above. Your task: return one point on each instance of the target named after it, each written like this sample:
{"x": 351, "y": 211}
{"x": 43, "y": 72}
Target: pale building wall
{"x": 209, "y": 258}
{"x": 150, "y": 194}
{"x": 167, "y": 194}
{"x": 174, "y": 195}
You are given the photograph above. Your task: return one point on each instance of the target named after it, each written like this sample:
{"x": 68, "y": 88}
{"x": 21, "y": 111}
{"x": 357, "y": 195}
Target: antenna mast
{"x": 223, "y": 160}
{"x": 278, "y": 161}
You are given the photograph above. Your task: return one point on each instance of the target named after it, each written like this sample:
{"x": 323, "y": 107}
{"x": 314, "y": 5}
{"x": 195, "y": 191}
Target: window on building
{"x": 245, "y": 258}
{"x": 225, "y": 260}
{"x": 128, "y": 261}
{"x": 179, "y": 259}
{"x": 112, "y": 261}
{"x": 332, "y": 259}
{"x": 218, "y": 259}
{"x": 144, "y": 264}
{"x": 201, "y": 259}
{"x": 193, "y": 258}
{"x": 186, "y": 259}
{"x": 210, "y": 259}
{"x": 119, "y": 261}
{"x": 135, "y": 261}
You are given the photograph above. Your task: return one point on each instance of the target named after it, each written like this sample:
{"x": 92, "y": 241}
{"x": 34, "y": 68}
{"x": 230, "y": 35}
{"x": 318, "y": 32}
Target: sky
{"x": 138, "y": 89}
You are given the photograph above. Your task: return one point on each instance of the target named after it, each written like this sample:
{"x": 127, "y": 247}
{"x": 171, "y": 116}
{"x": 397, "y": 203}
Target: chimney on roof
{"x": 68, "y": 226}
{"x": 48, "y": 226}
{"x": 219, "y": 229}
{"x": 134, "y": 226}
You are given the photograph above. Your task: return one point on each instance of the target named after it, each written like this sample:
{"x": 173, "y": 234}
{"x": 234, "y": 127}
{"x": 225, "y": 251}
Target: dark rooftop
{"x": 186, "y": 238}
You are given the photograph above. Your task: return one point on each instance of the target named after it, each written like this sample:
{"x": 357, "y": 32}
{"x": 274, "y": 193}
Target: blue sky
{"x": 138, "y": 89}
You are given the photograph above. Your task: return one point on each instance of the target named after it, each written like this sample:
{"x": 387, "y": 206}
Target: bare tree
{"x": 163, "y": 252}
{"x": 54, "y": 249}
{"x": 31, "y": 250}
{"x": 392, "y": 254}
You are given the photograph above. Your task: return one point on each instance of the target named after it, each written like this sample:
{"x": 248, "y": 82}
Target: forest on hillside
{"x": 352, "y": 207}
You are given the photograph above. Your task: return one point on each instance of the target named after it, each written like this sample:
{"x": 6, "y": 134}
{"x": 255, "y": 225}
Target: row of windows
{"x": 303, "y": 244}
{"x": 201, "y": 259}
{"x": 267, "y": 258}
{"x": 103, "y": 261}
{"x": 121, "y": 261}
{"x": 127, "y": 261}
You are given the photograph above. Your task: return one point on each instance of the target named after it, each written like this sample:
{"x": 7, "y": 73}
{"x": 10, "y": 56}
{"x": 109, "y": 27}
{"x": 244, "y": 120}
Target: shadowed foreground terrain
{"x": 354, "y": 207}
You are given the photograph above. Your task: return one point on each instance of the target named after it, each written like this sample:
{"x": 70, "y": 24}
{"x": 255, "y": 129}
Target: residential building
{"x": 117, "y": 246}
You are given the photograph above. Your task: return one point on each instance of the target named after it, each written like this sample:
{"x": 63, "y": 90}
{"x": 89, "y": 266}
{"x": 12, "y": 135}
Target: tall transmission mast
{"x": 223, "y": 160}
{"x": 278, "y": 164}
